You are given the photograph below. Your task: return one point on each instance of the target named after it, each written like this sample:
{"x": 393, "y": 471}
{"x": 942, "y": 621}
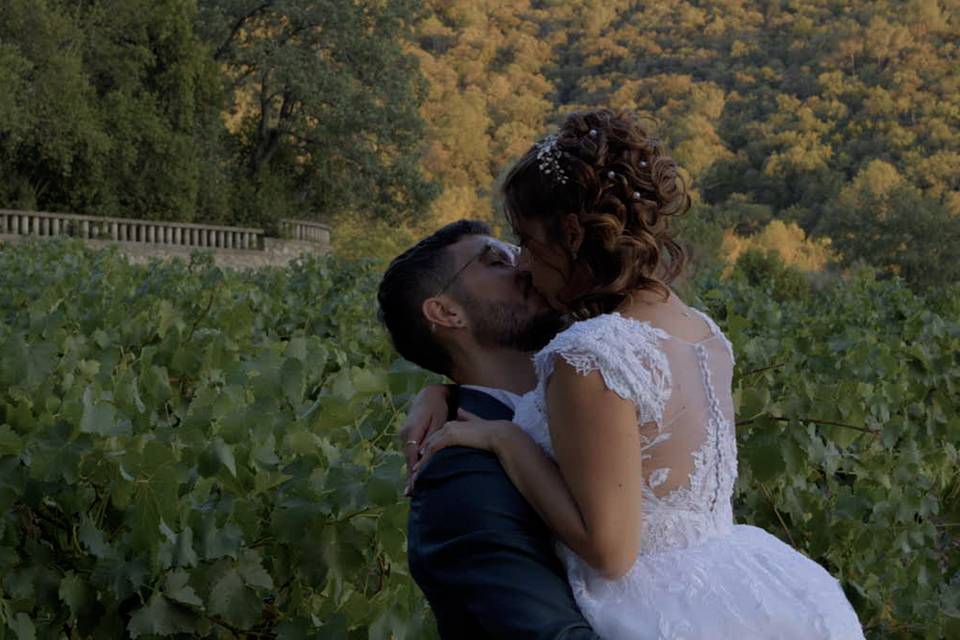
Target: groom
{"x": 455, "y": 303}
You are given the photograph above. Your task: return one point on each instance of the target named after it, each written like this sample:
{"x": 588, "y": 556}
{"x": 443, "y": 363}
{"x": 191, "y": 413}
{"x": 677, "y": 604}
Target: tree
{"x": 323, "y": 106}
{"x": 105, "y": 108}
{"x": 489, "y": 99}
{"x": 896, "y": 226}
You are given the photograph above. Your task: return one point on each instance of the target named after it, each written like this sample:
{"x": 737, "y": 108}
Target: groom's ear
{"x": 441, "y": 311}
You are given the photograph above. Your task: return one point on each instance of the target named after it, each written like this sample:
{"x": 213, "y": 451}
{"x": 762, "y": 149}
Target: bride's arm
{"x": 590, "y": 498}
{"x": 597, "y": 444}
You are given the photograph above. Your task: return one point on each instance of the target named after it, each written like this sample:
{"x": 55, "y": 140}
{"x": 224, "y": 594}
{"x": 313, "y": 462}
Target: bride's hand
{"x": 467, "y": 430}
{"x": 428, "y": 412}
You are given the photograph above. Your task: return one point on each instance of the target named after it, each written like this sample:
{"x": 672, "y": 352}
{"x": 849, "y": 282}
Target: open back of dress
{"x": 682, "y": 393}
{"x": 684, "y": 452}
{"x": 697, "y": 575}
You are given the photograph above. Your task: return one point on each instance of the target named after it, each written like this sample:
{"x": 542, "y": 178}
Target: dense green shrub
{"x": 189, "y": 450}
{"x": 766, "y": 271}
{"x": 848, "y": 410}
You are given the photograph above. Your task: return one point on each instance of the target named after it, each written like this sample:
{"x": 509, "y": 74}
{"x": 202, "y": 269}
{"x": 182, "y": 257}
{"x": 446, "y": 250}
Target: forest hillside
{"x": 841, "y": 119}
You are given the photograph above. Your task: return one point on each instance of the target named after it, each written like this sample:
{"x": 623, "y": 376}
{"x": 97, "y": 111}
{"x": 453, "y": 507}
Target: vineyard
{"x": 191, "y": 451}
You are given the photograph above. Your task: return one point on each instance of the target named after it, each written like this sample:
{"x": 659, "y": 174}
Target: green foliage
{"x": 323, "y": 106}
{"x": 766, "y": 271}
{"x": 106, "y": 108}
{"x": 848, "y": 429}
{"x": 406, "y": 113}
{"x": 906, "y": 231}
{"x": 216, "y": 111}
{"x": 771, "y": 109}
{"x": 489, "y": 95}
{"x": 186, "y": 450}
{"x": 701, "y": 233}
{"x": 354, "y": 237}
{"x": 780, "y": 105}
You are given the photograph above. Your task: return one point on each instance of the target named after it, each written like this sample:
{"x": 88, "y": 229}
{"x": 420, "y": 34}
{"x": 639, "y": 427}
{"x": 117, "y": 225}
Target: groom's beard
{"x": 504, "y": 325}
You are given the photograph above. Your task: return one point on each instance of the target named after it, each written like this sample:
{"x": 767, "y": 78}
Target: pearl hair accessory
{"x": 548, "y": 159}
{"x": 593, "y": 133}
{"x": 636, "y": 195}
{"x": 611, "y": 174}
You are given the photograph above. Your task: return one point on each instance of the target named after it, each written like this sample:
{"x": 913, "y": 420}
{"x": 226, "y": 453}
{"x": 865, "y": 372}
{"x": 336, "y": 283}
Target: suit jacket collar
{"x": 481, "y": 404}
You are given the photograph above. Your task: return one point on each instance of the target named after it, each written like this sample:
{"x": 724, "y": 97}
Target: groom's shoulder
{"x": 464, "y": 465}
{"x": 463, "y": 460}
{"x": 463, "y": 491}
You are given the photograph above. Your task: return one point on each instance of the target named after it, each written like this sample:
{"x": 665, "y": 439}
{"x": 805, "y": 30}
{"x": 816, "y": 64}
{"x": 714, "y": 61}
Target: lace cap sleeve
{"x": 627, "y": 354}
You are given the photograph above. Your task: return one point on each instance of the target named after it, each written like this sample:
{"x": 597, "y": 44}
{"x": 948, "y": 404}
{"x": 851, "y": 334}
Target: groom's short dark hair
{"x": 415, "y": 275}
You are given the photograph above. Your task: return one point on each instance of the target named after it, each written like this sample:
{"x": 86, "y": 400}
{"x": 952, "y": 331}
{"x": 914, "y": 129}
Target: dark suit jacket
{"x": 481, "y": 554}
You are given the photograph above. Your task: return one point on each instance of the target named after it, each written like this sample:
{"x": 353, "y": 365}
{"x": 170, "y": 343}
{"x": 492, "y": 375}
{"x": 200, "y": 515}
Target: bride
{"x": 626, "y": 447}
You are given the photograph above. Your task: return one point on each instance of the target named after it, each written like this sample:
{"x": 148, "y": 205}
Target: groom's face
{"x": 503, "y": 307}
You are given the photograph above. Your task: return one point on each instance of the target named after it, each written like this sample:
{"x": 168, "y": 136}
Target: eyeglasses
{"x": 494, "y": 252}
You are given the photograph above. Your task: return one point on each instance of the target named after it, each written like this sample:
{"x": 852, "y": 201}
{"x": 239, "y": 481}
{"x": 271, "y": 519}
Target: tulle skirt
{"x": 743, "y": 584}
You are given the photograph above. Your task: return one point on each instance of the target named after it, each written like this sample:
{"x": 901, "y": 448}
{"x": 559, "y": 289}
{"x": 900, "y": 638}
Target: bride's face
{"x": 545, "y": 259}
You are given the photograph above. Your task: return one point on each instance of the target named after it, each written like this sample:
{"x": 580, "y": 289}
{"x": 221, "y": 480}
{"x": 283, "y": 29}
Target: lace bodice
{"x": 698, "y": 576}
{"x": 682, "y": 394}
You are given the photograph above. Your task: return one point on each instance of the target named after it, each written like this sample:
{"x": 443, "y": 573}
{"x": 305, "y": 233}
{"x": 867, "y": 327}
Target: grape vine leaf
{"x": 177, "y": 588}
{"x": 75, "y": 593}
{"x": 235, "y": 601}
{"x": 23, "y": 626}
{"x": 163, "y": 618}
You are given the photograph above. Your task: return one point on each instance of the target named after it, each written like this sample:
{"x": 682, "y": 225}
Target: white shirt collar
{"x": 509, "y": 398}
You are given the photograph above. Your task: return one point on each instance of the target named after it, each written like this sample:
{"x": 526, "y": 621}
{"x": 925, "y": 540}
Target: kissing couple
{"x": 576, "y": 481}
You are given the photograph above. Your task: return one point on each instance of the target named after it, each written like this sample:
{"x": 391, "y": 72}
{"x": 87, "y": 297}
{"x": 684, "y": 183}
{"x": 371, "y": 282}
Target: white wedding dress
{"x": 698, "y": 575}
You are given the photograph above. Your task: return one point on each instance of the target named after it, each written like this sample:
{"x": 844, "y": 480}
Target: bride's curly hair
{"x": 611, "y": 171}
